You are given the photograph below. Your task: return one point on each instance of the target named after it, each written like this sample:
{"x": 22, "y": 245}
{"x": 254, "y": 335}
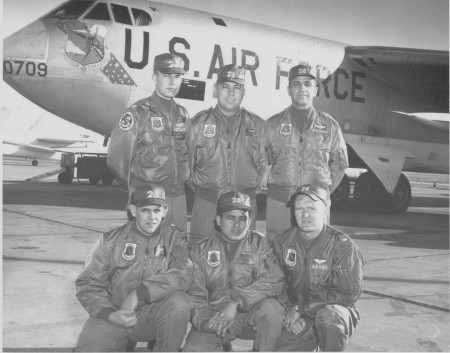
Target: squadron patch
{"x": 157, "y": 123}
{"x": 213, "y": 258}
{"x": 126, "y": 122}
{"x": 286, "y": 129}
{"x": 291, "y": 257}
{"x": 209, "y": 130}
{"x": 129, "y": 252}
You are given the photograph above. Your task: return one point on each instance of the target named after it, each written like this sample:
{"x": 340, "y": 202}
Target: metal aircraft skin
{"x": 87, "y": 61}
{"x": 36, "y": 143}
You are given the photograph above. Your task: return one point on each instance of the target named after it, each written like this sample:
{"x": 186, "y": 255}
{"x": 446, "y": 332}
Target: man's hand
{"x": 293, "y": 322}
{"x": 223, "y": 319}
{"x": 123, "y": 318}
{"x": 130, "y": 302}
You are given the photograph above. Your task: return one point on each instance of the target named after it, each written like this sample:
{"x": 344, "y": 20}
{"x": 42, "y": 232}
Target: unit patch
{"x": 157, "y": 123}
{"x": 291, "y": 257}
{"x": 286, "y": 129}
{"x": 126, "y": 122}
{"x": 129, "y": 252}
{"x": 213, "y": 258}
{"x": 209, "y": 130}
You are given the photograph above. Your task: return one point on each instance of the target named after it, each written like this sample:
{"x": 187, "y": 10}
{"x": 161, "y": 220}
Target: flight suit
{"x": 324, "y": 284}
{"x": 317, "y": 155}
{"x": 253, "y": 275}
{"x": 148, "y": 145}
{"x": 157, "y": 267}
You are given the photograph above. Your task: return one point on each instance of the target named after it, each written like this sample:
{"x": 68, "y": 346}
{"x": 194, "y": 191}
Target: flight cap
{"x": 233, "y": 200}
{"x": 148, "y": 194}
{"x": 168, "y": 64}
{"x": 314, "y": 192}
{"x": 231, "y": 73}
{"x": 301, "y": 70}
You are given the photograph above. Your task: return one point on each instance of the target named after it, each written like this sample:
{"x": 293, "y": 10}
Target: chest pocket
{"x": 246, "y": 272}
{"x": 319, "y": 276}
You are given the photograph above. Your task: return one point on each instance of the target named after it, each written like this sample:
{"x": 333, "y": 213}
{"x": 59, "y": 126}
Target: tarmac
{"x": 48, "y": 229}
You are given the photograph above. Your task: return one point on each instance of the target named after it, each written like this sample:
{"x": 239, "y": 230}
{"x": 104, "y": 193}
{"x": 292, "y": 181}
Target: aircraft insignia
{"x": 286, "y": 129}
{"x": 213, "y": 258}
{"x": 157, "y": 123}
{"x": 126, "y": 122}
{"x": 85, "y": 48}
{"x": 209, "y": 130}
{"x": 291, "y": 257}
{"x": 129, "y": 252}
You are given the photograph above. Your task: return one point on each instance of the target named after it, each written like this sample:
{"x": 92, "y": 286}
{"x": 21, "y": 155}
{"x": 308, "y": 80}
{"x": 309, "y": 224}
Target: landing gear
{"x": 341, "y": 194}
{"x": 94, "y": 181}
{"x": 369, "y": 193}
{"x": 65, "y": 177}
{"x": 107, "y": 179}
{"x": 34, "y": 163}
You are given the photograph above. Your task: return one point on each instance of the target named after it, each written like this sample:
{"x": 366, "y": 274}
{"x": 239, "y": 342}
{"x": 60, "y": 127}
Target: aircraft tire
{"x": 107, "y": 179}
{"x": 65, "y": 178}
{"x": 94, "y": 181}
{"x": 400, "y": 199}
{"x": 369, "y": 193}
{"x": 341, "y": 194}
{"x": 34, "y": 163}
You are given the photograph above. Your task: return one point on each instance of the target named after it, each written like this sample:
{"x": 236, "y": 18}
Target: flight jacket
{"x": 125, "y": 259}
{"x": 253, "y": 275}
{"x": 149, "y": 146}
{"x": 330, "y": 272}
{"x": 221, "y": 160}
{"x": 315, "y": 155}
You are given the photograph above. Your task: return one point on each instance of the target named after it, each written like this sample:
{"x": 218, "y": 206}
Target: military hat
{"x": 301, "y": 70}
{"x": 168, "y": 64}
{"x": 314, "y": 192}
{"x": 148, "y": 194}
{"x": 231, "y": 73}
{"x": 233, "y": 200}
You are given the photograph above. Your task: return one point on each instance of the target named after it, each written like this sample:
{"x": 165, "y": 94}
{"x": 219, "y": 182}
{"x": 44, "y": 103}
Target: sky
{"x": 422, "y": 24}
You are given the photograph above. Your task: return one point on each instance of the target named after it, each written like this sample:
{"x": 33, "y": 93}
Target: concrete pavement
{"x": 48, "y": 229}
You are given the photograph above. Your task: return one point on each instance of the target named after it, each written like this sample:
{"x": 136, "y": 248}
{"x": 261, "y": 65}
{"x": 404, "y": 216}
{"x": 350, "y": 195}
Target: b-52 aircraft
{"x": 87, "y": 61}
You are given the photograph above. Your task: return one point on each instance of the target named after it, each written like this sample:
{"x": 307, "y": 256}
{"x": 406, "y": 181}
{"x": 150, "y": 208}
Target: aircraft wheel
{"x": 65, "y": 177}
{"x": 94, "y": 181}
{"x": 369, "y": 193}
{"x": 34, "y": 163}
{"x": 399, "y": 200}
{"x": 341, "y": 194}
{"x": 107, "y": 179}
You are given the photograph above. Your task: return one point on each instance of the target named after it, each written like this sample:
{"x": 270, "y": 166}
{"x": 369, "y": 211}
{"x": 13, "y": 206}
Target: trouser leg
{"x": 166, "y": 321}
{"x": 203, "y": 219}
{"x": 177, "y": 213}
{"x": 266, "y": 321}
{"x": 278, "y": 217}
{"x": 197, "y": 341}
{"x": 334, "y": 325}
{"x": 98, "y": 335}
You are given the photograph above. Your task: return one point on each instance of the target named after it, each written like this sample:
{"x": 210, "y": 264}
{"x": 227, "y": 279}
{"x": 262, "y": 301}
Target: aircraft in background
{"x": 87, "y": 61}
{"x": 35, "y": 144}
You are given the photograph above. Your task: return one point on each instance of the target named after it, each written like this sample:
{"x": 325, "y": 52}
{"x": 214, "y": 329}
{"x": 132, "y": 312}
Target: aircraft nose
{"x": 29, "y": 43}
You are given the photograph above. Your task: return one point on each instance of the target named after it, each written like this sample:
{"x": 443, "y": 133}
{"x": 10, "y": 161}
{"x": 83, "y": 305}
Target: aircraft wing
{"x": 440, "y": 122}
{"x": 62, "y": 141}
{"x": 30, "y": 146}
{"x": 384, "y": 160}
{"x": 424, "y": 73}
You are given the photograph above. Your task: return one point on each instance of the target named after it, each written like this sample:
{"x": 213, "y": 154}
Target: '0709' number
{"x": 29, "y": 67}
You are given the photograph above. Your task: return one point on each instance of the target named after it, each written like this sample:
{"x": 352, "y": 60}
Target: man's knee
{"x": 331, "y": 315}
{"x": 178, "y": 302}
{"x": 272, "y": 307}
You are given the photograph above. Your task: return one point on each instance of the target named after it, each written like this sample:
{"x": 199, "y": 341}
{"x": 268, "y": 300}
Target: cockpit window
{"x": 71, "y": 10}
{"x": 99, "y": 12}
{"x": 141, "y": 18}
{"x": 121, "y": 14}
